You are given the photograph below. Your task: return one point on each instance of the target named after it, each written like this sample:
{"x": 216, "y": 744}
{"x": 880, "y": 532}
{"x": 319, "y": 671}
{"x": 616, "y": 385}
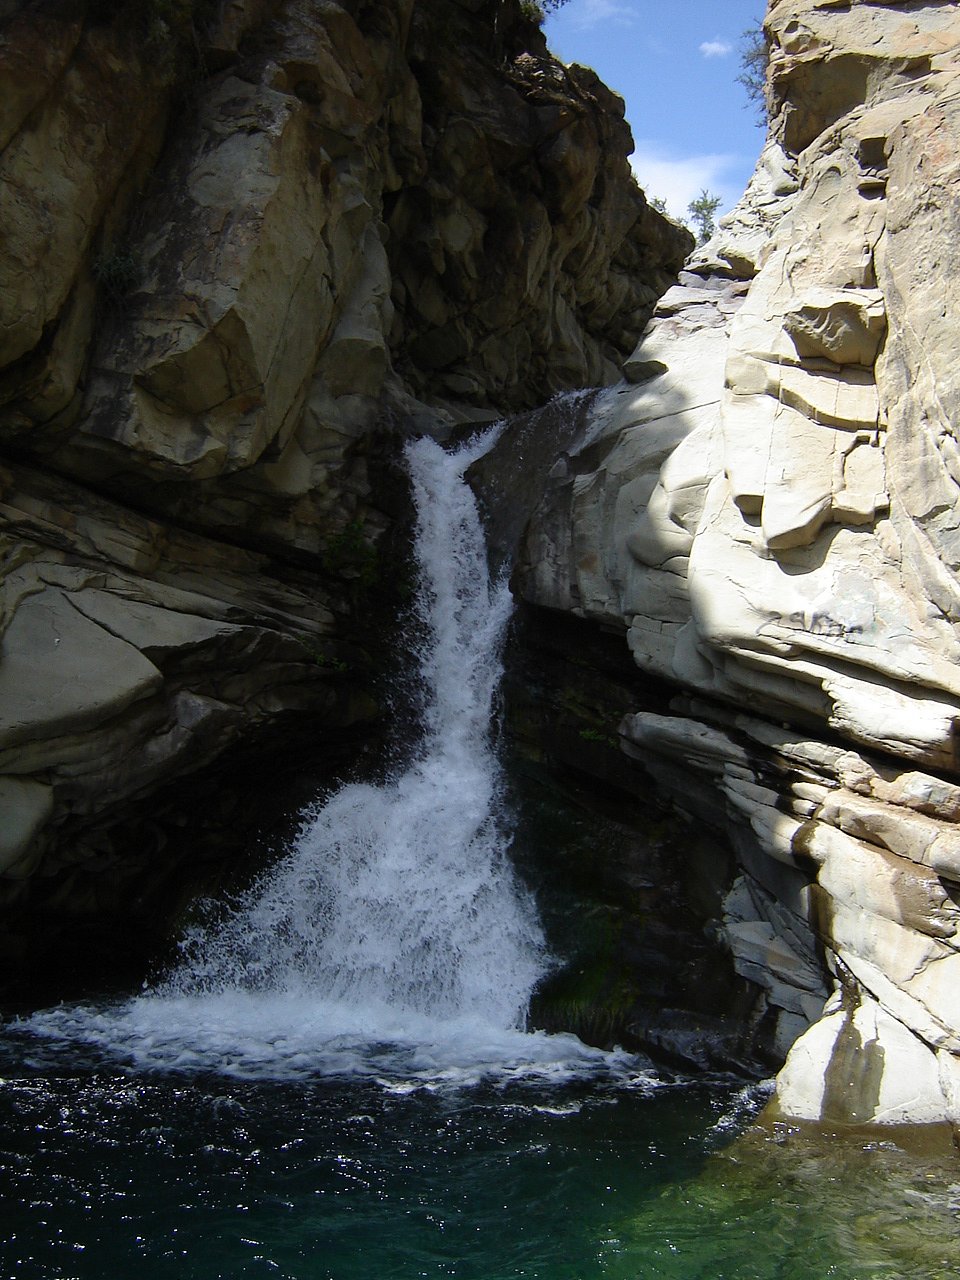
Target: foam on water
{"x": 249, "y": 1036}
{"x": 393, "y": 941}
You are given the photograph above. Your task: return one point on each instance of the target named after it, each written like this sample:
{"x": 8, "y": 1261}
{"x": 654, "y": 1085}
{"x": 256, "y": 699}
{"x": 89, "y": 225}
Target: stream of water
{"x": 334, "y": 1081}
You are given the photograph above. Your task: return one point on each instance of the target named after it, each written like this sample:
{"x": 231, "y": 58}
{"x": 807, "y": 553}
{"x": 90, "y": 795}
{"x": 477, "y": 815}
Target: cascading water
{"x": 400, "y": 895}
{"x": 393, "y": 938}
{"x": 381, "y": 966}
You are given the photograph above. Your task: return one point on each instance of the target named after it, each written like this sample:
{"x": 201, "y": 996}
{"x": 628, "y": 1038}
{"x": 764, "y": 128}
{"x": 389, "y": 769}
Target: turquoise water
{"x": 108, "y": 1174}
{"x": 112, "y": 1175}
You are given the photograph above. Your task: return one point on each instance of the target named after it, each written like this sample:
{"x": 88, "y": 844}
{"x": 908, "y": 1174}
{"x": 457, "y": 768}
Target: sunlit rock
{"x": 858, "y": 1065}
{"x": 785, "y": 551}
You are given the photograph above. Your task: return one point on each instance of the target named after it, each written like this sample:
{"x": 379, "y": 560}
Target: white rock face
{"x": 768, "y": 509}
{"x": 877, "y": 1072}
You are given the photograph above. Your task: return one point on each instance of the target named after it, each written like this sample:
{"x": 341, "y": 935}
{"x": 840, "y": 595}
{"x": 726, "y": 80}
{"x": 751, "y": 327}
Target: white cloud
{"x": 585, "y": 14}
{"x": 679, "y": 179}
{"x": 716, "y": 48}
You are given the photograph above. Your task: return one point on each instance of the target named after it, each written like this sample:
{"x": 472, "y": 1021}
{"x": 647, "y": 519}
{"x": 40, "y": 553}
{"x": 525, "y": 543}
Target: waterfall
{"x": 393, "y": 940}
{"x": 401, "y": 895}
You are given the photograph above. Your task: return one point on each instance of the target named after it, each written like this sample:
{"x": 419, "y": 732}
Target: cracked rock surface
{"x": 766, "y": 508}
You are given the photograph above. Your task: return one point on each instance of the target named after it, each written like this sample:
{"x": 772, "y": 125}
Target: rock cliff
{"x": 246, "y": 246}
{"x": 766, "y": 510}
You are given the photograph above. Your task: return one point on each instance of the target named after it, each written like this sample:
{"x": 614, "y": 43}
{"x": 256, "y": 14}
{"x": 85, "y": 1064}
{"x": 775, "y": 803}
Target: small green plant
{"x": 702, "y": 212}
{"x": 594, "y": 735}
{"x": 328, "y": 662}
{"x": 536, "y": 11}
{"x": 659, "y": 204}
{"x": 349, "y": 555}
{"x": 117, "y": 274}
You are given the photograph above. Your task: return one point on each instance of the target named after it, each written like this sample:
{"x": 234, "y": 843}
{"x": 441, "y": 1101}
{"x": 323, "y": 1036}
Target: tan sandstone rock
{"x": 780, "y": 540}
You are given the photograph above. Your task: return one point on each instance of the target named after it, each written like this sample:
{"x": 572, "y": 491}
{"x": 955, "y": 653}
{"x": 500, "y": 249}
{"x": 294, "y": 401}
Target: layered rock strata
{"x": 766, "y": 509}
{"x": 243, "y": 244}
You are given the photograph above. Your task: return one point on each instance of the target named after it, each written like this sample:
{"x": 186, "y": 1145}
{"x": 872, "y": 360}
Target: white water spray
{"x": 393, "y": 939}
{"x": 401, "y": 895}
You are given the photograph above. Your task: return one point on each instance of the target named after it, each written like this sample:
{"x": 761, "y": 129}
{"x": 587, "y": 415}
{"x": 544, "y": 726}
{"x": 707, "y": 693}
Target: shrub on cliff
{"x": 754, "y": 56}
{"x": 702, "y": 212}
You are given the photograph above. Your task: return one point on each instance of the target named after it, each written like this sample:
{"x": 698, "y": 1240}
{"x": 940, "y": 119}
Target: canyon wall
{"x": 766, "y": 510}
{"x": 247, "y": 248}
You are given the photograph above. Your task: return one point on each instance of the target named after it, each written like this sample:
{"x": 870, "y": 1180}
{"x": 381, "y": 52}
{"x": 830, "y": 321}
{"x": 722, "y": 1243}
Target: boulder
{"x": 858, "y": 1065}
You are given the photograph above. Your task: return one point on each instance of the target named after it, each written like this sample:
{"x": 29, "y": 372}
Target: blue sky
{"x": 675, "y": 63}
